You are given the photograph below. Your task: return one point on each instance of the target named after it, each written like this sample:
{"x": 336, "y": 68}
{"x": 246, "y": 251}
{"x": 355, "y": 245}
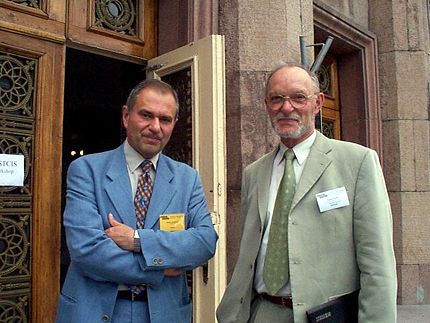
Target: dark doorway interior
{"x": 96, "y": 87}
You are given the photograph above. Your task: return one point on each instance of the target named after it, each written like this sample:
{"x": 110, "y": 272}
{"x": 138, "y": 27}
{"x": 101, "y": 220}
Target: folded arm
{"x": 94, "y": 252}
{"x": 124, "y": 236}
{"x": 185, "y": 249}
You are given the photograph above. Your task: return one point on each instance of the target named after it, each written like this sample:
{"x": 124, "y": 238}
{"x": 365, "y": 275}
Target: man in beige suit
{"x": 339, "y": 231}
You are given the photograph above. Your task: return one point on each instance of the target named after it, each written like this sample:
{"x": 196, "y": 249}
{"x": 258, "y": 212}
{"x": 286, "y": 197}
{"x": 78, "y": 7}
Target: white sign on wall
{"x": 11, "y": 170}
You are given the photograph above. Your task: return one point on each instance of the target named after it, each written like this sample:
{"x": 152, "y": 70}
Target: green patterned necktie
{"x": 276, "y": 267}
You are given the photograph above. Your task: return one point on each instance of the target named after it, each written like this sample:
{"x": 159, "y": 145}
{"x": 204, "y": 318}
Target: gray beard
{"x": 294, "y": 134}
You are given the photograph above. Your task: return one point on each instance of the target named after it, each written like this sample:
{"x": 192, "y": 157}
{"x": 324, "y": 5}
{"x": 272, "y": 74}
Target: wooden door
{"x": 329, "y": 122}
{"x": 30, "y": 125}
{"x": 31, "y": 60}
{"x": 41, "y": 19}
{"x": 119, "y": 27}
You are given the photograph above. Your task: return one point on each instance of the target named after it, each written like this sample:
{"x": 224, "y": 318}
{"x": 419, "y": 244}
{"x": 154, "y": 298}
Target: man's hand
{"x": 122, "y": 234}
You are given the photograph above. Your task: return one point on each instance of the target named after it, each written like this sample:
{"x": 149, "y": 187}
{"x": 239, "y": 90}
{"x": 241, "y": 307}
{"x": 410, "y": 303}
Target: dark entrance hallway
{"x": 96, "y": 87}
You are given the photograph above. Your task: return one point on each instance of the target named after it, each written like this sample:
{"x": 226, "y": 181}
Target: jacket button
{"x": 105, "y": 318}
{"x": 241, "y": 300}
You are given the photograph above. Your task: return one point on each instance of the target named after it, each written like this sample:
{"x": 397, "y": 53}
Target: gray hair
{"x": 154, "y": 84}
{"x": 281, "y": 65}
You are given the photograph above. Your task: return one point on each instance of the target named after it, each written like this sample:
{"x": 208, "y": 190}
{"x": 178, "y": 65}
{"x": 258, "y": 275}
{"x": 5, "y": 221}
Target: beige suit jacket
{"x": 330, "y": 253}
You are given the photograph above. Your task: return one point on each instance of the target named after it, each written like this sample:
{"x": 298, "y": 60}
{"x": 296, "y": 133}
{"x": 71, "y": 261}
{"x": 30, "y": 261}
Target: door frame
{"x": 356, "y": 51}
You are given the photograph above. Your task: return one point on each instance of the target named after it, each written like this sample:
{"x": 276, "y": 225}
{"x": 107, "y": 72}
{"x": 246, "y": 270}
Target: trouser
{"x": 126, "y": 311}
{"x": 263, "y": 311}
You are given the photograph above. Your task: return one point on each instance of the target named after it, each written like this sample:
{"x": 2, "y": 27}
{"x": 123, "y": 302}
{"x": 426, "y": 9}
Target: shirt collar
{"x": 134, "y": 159}
{"x": 301, "y": 150}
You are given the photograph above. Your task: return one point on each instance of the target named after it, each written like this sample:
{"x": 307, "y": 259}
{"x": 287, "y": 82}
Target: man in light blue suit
{"x": 109, "y": 255}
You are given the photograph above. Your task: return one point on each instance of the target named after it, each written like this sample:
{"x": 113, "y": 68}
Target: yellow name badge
{"x": 172, "y": 222}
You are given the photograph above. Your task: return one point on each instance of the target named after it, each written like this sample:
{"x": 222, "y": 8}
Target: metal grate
{"x": 117, "y": 15}
{"x": 17, "y": 97}
{"x": 180, "y": 146}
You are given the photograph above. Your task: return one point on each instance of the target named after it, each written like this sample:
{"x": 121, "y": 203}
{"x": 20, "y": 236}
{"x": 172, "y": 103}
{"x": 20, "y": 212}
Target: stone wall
{"x": 357, "y": 10}
{"x": 402, "y": 28}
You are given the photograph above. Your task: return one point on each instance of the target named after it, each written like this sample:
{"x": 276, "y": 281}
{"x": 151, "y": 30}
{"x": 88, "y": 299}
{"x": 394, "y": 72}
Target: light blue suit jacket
{"x": 99, "y": 184}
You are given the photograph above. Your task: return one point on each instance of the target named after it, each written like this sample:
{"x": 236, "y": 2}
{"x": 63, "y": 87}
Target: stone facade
{"x": 402, "y": 28}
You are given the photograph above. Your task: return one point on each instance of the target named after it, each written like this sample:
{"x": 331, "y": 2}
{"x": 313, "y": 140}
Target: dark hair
{"x": 312, "y": 75}
{"x": 155, "y": 84}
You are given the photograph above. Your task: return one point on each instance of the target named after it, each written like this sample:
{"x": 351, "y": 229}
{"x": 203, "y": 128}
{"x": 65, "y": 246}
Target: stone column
{"x": 402, "y": 28}
{"x": 258, "y": 34}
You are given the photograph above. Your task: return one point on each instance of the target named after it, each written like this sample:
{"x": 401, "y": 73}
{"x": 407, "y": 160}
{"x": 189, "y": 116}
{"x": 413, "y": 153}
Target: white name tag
{"x": 11, "y": 170}
{"x": 332, "y": 199}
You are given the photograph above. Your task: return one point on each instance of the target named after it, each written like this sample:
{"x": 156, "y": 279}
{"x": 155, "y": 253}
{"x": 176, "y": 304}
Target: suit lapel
{"x": 316, "y": 163}
{"x": 119, "y": 189}
{"x": 263, "y": 183}
{"x": 162, "y": 192}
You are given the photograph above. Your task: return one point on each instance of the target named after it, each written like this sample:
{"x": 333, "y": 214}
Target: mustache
{"x": 281, "y": 115}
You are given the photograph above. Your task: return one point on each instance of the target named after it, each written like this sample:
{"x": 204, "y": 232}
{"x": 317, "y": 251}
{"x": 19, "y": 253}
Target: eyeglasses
{"x": 297, "y": 101}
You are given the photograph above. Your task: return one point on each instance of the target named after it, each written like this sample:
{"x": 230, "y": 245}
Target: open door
{"x": 196, "y": 71}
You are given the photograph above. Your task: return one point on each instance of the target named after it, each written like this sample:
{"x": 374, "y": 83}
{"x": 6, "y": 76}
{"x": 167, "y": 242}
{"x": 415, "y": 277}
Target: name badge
{"x": 172, "y": 222}
{"x": 332, "y": 199}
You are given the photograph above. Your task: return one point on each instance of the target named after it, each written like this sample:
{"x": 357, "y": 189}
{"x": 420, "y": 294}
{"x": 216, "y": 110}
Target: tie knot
{"x": 289, "y": 154}
{"x": 146, "y": 165}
